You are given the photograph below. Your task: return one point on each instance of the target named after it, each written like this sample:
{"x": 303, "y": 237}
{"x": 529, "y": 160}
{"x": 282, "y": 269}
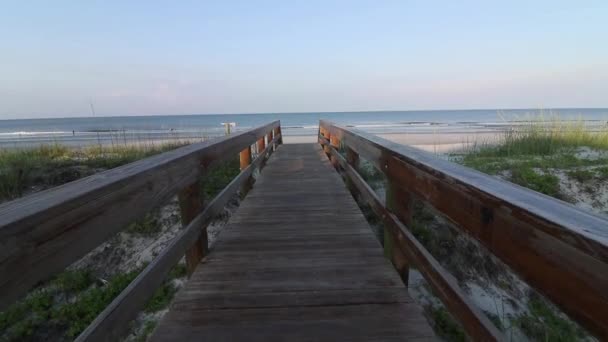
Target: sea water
{"x": 126, "y": 129}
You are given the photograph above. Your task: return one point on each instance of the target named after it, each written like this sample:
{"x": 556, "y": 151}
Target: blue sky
{"x": 188, "y": 57}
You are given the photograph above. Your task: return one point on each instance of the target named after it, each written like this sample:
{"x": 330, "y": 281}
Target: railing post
{"x": 244, "y": 161}
{"x": 269, "y": 143}
{"x": 191, "y": 204}
{"x": 352, "y": 158}
{"x": 335, "y": 143}
{"x": 327, "y": 148}
{"x": 261, "y": 145}
{"x": 278, "y": 132}
{"x": 399, "y": 203}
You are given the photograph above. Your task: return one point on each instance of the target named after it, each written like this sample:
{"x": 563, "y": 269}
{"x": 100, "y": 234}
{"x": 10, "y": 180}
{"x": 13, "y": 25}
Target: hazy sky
{"x": 187, "y": 57}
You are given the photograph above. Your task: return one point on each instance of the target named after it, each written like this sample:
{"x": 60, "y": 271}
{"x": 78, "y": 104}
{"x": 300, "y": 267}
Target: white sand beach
{"x": 431, "y": 142}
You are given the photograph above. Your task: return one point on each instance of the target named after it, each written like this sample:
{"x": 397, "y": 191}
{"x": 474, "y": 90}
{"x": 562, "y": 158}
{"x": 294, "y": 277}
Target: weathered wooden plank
{"x": 475, "y": 322}
{"x": 293, "y": 265}
{"x": 557, "y": 248}
{"x": 114, "y": 320}
{"x": 204, "y": 299}
{"x": 371, "y": 322}
{"x": 45, "y": 232}
{"x": 191, "y": 204}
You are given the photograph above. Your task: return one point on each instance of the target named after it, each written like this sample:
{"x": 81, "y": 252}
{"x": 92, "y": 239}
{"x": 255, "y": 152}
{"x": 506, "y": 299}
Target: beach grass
{"x": 63, "y": 306}
{"x": 527, "y": 154}
{"x": 70, "y": 301}
{"x": 23, "y": 171}
{"x": 545, "y": 135}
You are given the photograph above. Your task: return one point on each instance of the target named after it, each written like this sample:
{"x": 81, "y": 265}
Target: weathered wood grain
{"x": 297, "y": 261}
{"x": 43, "y": 233}
{"x": 112, "y": 323}
{"x": 476, "y": 323}
{"x": 191, "y": 204}
{"x": 557, "y": 248}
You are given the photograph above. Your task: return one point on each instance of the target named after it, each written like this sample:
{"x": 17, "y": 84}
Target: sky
{"x": 202, "y": 57}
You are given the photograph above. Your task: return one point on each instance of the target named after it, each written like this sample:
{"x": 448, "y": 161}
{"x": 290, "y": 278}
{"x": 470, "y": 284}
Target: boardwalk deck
{"x": 297, "y": 262}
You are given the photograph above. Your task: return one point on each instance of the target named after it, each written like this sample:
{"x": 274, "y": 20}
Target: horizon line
{"x": 302, "y": 112}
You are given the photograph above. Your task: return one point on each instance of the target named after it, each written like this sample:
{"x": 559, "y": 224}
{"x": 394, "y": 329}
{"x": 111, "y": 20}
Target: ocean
{"x": 106, "y": 130}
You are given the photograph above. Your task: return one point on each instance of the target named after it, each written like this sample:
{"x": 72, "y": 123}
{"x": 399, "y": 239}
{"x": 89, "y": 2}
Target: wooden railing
{"x": 43, "y": 233}
{"x": 560, "y": 250}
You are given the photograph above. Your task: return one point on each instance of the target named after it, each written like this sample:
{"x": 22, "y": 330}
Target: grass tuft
{"x": 542, "y": 323}
{"x": 581, "y": 176}
{"x": 27, "y": 170}
{"x": 446, "y": 326}
{"x": 547, "y": 184}
{"x": 542, "y": 135}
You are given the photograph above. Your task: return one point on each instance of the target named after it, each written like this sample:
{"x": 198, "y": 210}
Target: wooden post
{"x": 326, "y": 148}
{"x": 399, "y": 203}
{"x": 191, "y": 204}
{"x": 244, "y": 161}
{"x": 261, "y": 145}
{"x": 278, "y": 132}
{"x": 352, "y": 158}
{"x": 335, "y": 142}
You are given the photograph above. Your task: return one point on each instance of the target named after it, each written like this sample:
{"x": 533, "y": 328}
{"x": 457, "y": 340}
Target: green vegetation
{"x": 533, "y": 156}
{"x": 602, "y": 173}
{"x": 545, "y": 183}
{"x": 581, "y": 176}
{"x": 445, "y": 325}
{"x": 76, "y": 316}
{"x": 495, "y": 319}
{"x": 542, "y": 323}
{"x": 146, "y": 226}
{"x": 545, "y": 136}
{"x": 26, "y": 170}
{"x": 146, "y": 331}
{"x": 68, "y": 303}
{"x": 530, "y": 154}
{"x": 63, "y": 306}
{"x": 163, "y": 296}
{"x": 369, "y": 172}
{"x": 73, "y": 281}
{"x": 218, "y": 177}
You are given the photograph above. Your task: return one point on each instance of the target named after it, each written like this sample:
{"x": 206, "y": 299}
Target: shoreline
{"x": 444, "y": 142}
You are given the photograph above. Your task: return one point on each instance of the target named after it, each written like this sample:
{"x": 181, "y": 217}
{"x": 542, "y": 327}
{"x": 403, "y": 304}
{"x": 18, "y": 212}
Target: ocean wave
{"x": 301, "y": 127}
{"x": 398, "y": 124}
{"x": 33, "y": 133}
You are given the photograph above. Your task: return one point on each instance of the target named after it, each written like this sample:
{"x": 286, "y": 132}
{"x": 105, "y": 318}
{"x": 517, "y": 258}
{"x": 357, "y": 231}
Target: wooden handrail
{"x": 43, "y": 233}
{"x": 559, "y": 249}
{"x": 111, "y": 323}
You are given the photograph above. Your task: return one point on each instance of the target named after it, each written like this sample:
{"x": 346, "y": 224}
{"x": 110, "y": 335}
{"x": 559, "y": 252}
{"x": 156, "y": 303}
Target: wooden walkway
{"x": 297, "y": 262}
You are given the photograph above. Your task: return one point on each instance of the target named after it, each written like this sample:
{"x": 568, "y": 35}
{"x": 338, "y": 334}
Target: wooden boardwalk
{"x": 297, "y": 262}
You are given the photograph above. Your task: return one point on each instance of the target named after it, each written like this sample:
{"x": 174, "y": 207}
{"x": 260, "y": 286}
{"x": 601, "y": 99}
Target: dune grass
{"x": 542, "y": 136}
{"x": 70, "y": 301}
{"x": 63, "y": 306}
{"x": 526, "y": 153}
{"x": 29, "y": 170}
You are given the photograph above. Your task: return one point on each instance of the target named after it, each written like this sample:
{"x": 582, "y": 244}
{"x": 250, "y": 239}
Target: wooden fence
{"x": 558, "y": 249}
{"x": 43, "y": 233}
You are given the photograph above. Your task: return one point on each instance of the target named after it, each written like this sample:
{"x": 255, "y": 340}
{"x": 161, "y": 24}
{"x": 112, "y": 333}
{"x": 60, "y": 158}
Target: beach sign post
{"x": 228, "y": 126}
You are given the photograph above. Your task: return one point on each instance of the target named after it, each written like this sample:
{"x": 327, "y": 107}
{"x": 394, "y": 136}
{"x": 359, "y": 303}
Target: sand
{"x": 431, "y": 142}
